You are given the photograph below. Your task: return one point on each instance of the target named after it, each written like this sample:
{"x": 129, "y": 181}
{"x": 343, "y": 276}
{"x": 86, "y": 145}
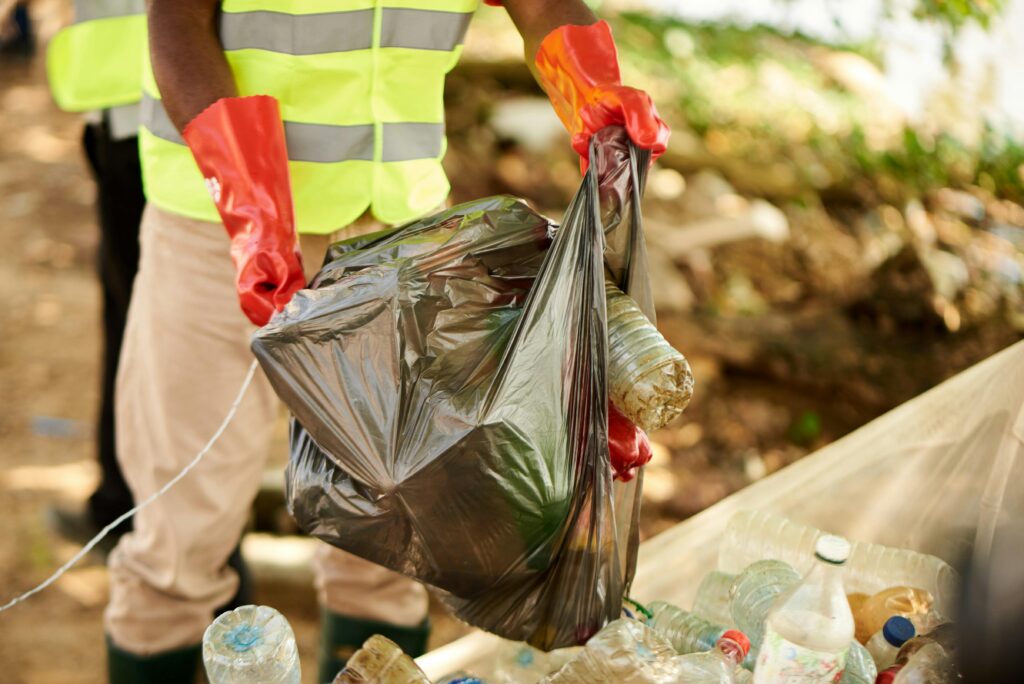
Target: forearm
{"x": 188, "y": 61}
{"x": 535, "y": 19}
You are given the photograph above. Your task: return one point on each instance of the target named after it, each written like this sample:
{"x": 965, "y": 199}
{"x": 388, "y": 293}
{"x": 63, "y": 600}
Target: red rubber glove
{"x": 579, "y": 70}
{"x": 238, "y": 143}
{"x": 628, "y": 445}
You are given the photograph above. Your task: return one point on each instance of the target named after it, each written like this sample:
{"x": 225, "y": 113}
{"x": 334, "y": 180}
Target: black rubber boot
{"x": 341, "y": 636}
{"x": 180, "y": 666}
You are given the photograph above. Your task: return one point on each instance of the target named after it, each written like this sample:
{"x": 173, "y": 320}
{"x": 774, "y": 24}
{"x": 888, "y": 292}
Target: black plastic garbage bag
{"x": 447, "y": 381}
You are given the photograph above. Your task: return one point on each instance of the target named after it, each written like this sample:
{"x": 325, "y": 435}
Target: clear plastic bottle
{"x": 809, "y": 630}
{"x": 755, "y": 535}
{"x": 944, "y": 635}
{"x": 251, "y": 644}
{"x": 753, "y": 593}
{"x": 688, "y": 633}
{"x": 860, "y": 667}
{"x": 380, "y": 661}
{"x": 520, "y": 663}
{"x": 712, "y": 601}
{"x": 886, "y": 642}
{"x": 871, "y": 614}
{"x": 648, "y": 381}
{"x": 626, "y": 652}
{"x": 932, "y": 664}
{"x": 717, "y": 666}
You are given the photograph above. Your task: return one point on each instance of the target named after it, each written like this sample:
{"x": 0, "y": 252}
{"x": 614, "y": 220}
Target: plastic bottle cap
{"x": 832, "y": 549}
{"x": 898, "y": 630}
{"x": 739, "y": 637}
{"x": 888, "y": 676}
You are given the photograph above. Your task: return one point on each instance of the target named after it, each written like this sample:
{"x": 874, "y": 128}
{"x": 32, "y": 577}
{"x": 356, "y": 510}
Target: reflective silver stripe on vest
{"x": 88, "y": 10}
{"x": 154, "y": 118}
{"x": 423, "y": 29}
{"x": 406, "y": 141}
{"x": 326, "y": 143}
{"x": 297, "y": 34}
{"x": 123, "y": 121}
{"x": 314, "y": 34}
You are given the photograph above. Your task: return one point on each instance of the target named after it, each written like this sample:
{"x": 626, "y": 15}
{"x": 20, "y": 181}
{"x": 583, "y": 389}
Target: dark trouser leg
{"x": 116, "y": 169}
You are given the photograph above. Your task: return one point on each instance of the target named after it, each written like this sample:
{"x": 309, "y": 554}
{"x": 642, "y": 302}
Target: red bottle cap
{"x": 740, "y": 638}
{"x": 888, "y": 676}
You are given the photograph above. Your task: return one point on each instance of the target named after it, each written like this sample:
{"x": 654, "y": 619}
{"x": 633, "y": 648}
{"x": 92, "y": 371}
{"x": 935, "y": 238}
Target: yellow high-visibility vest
{"x": 96, "y": 63}
{"x": 360, "y": 85}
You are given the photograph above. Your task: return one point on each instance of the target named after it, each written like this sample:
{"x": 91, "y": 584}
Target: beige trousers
{"x": 185, "y": 354}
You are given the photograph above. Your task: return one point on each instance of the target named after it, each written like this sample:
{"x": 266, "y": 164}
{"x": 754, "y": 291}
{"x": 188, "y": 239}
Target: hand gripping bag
{"x": 447, "y": 382}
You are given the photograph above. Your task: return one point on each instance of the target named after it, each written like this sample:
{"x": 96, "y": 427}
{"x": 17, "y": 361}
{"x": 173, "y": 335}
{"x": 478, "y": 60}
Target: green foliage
{"x": 767, "y": 106}
{"x": 956, "y": 13}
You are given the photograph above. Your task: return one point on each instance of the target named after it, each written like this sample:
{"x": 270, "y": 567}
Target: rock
{"x": 529, "y": 121}
{"x": 947, "y": 271}
{"x": 758, "y": 219}
{"x": 920, "y": 223}
{"x": 703, "y": 191}
{"x": 666, "y": 184}
{"x": 960, "y": 204}
{"x": 672, "y": 294}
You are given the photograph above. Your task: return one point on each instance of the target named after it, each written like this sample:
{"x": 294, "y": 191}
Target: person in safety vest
{"x": 285, "y": 122}
{"x": 95, "y": 67}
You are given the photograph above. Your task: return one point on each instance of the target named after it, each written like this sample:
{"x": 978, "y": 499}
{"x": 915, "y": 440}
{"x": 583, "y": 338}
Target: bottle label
{"x": 783, "y": 662}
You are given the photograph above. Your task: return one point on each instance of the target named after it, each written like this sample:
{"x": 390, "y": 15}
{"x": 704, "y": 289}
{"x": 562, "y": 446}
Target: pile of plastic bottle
{"x": 788, "y": 603}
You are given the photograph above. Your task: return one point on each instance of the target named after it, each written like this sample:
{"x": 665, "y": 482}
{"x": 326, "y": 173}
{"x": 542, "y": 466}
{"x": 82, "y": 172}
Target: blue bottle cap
{"x": 898, "y": 630}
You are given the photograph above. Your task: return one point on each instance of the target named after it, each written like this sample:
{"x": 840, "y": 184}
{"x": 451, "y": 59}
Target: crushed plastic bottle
{"x": 648, "y": 381}
{"x": 944, "y": 635}
{"x": 754, "y": 592}
{"x": 755, "y": 535}
{"x": 809, "y": 630}
{"x": 520, "y": 663}
{"x": 381, "y": 661}
{"x": 932, "y": 664}
{"x": 712, "y": 600}
{"x": 717, "y": 666}
{"x": 886, "y": 642}
{"x": 872, "y": 613}
{"x": 251, "y": 644}
{"x": 860, "y": 668}
{"x": 626, "y": 652}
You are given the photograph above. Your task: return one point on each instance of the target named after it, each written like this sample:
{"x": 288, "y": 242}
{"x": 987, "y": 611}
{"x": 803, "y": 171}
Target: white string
{"x": 153, "y": 497}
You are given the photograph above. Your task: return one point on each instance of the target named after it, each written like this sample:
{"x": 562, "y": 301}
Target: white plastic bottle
{"x": 886, "y": 642}
{"x": 755, "y": 535}
{"x": 809, "y": 630}
{"x": 717, "y": 666}
{"x": 251, "y": 644}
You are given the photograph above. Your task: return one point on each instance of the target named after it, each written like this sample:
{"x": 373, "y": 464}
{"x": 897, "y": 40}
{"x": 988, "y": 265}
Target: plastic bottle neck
{"x": 731, "y": 651}
{"x": 829, "y": 574}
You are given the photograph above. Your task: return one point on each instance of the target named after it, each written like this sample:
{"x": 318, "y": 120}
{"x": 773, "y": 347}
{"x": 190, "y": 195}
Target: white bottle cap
{"x": 832, "y": 549}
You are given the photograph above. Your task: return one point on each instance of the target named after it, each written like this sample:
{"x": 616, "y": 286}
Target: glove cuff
{"x": 238, "y": 144}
